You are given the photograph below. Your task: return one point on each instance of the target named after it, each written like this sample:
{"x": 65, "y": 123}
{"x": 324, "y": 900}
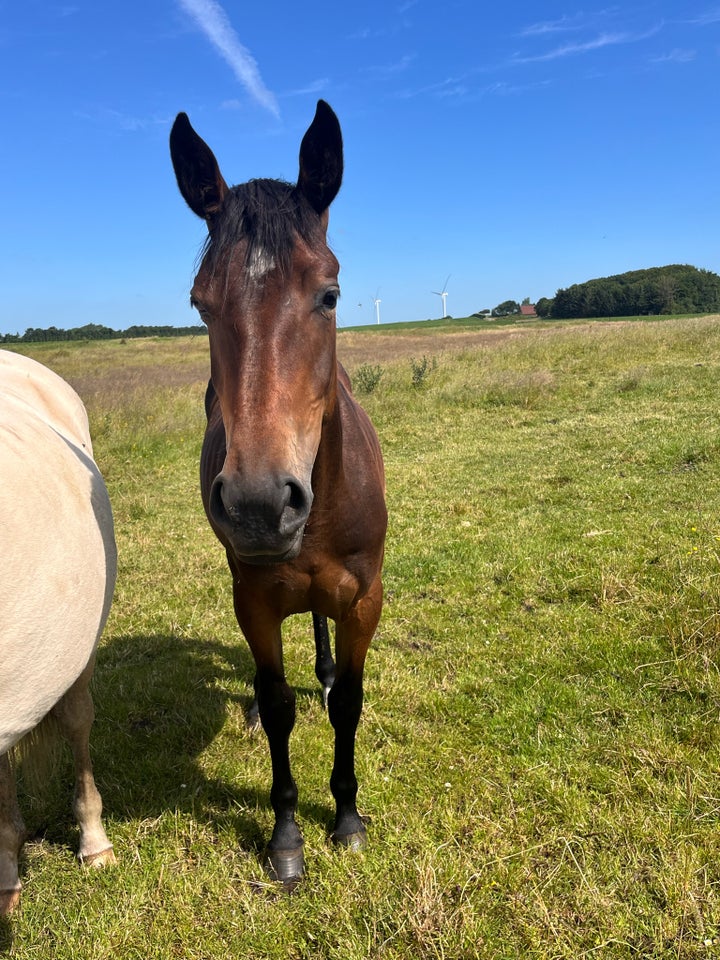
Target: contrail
{"x": 214, "y": 23}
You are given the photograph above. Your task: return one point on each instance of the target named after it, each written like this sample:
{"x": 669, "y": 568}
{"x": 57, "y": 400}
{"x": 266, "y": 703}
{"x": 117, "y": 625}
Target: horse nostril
{"x": 296, "y": 507}
{"x": 296, "y": 497}
{"x": 216, "y": 506}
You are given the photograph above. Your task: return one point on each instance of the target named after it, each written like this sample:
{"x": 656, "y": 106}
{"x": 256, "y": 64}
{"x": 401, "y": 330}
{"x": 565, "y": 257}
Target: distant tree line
{"x": 676, "y": 288}
{"x": 95, "y": 331}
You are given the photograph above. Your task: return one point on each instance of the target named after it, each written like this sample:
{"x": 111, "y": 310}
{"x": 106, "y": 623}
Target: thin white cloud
{"x": 568, "y": 24}
{"x": 710, "y": 16}
{"x": 439, "y": 89}
{"x": 459, "y": 92}
{"x": 503, "y": 89}
{"x": 564, "y": 25}
{"x": 572, "y": 49}
{"x": 464, "y": 89}
{"x": 675, "y": 56}
{"x": 121, "y": 121}
{"x": 316, "y": 86}
{"x": 397, "y": 66}
{"x": 364, "y": 33}
{"x": 215, "y": 24}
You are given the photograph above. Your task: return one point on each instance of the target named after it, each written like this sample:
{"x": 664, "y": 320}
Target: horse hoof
{"x": 252, "y": 718}
{"x": 9, "y": 899}
{"x": 351, "y": 841}
{"x": 96, "y": 860}
{"x": 286, "y": 866}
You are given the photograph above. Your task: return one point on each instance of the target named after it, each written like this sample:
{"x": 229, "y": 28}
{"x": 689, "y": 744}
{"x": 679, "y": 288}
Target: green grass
{"x": 539, "y": 747}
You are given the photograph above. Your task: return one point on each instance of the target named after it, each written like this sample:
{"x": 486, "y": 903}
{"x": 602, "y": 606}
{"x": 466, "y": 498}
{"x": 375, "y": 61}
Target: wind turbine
{"x": 377, "y": 301}
{"x": 443, "y": 295}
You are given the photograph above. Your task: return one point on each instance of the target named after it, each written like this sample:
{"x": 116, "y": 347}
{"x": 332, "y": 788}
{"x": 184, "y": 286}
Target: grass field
{"x": 539, "y": 750}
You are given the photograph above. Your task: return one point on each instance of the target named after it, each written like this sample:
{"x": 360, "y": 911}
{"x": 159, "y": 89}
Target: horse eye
{"x": 196, "y": 305}
{"x": 330, "y": 299}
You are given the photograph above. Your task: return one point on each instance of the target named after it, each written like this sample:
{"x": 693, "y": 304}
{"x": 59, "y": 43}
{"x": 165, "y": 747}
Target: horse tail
{"x": 37, "y": 755}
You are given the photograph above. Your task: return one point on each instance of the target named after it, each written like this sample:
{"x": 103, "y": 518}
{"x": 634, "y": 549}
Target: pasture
{"x": 538, "y": 753}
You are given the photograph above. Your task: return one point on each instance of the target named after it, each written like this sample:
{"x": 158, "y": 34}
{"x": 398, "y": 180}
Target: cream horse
{"x": 57, "y": 575}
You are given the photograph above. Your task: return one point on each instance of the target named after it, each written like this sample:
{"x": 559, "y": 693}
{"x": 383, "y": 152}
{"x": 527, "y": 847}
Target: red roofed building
{"x": 527, "y": 310}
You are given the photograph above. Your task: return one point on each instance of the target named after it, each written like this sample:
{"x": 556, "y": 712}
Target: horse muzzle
{"x": 262, "y": 520}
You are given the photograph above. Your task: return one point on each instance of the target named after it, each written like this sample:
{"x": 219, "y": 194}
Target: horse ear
{"x": 196, "y": 169}
{"x": 321, "y": 159}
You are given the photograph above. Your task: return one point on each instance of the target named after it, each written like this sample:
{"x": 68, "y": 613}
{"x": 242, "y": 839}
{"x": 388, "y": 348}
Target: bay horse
{"x": 57, "y": 574}
{"x": 291, "y": 472}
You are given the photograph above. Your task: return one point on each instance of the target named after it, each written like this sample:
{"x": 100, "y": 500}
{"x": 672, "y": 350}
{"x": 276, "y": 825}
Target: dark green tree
{"x": 544, "y": 306}
{"x": 506, "y": 309}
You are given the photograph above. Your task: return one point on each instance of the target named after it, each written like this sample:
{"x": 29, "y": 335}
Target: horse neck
{"x": 329, "y": 469}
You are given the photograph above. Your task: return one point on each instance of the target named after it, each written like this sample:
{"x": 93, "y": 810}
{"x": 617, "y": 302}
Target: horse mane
{"x": 268, "y": 214}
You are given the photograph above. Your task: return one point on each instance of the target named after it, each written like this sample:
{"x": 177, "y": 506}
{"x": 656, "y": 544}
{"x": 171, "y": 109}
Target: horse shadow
{"x": 160, "y": 701}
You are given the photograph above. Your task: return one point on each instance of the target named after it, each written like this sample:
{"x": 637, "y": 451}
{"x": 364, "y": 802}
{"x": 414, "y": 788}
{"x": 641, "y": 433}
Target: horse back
{"x": 44, "y": 395}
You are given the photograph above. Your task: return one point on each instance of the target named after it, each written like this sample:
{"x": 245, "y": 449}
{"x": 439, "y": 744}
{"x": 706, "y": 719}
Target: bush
{"x": 367, "y": 377}
{"x": 421, "y": 369}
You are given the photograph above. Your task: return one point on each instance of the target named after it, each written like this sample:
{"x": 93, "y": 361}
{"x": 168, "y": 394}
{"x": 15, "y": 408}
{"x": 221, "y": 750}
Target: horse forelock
{"x": 267, "y": 215}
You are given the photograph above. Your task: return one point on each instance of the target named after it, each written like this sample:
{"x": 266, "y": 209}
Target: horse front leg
{"x": 276, "y": 706}
{"x": 352, "y": 641}
{"x": 324, "y": 668}
{"x": 75, "y": 714}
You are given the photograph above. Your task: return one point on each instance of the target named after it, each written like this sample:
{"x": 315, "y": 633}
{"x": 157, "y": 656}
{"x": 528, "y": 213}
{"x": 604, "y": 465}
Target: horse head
{"x": 267, "y": 288}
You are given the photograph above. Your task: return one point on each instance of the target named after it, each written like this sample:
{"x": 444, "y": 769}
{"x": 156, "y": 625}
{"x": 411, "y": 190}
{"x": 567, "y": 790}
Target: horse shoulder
{"x": 348, "y": 525}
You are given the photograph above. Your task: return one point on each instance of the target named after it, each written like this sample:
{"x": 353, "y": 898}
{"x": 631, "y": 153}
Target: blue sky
{"x": 516, "y": 147}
